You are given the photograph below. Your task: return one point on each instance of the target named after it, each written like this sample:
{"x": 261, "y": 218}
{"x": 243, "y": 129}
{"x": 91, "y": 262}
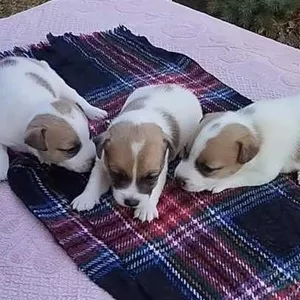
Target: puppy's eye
{"x": 118, "y": 176}
{"x": 119, "y": 179}
{"x": 146, "y": 183}
{"x": 205, "y": 169}
{"x": 151, "y": 177}
{"x": 71, "y": 151}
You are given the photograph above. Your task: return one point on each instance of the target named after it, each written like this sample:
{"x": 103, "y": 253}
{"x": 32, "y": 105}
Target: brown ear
{"x": 248, "y": 147}
{"x": 100, "y": 142}
{"x": 35, "y": 138}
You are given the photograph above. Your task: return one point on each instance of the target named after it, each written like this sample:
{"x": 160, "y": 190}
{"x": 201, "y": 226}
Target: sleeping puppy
{"x": 42, "y": 115}
{"x": 249, "y": 147}
{"x": 151, "y": 129}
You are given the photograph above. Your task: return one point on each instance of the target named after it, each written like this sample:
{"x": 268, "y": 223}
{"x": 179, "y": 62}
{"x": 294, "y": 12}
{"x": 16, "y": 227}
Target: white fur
{"x": 181, "y": 104}
{"x": 21, "y": 99}
{"x": 275, "y": 122}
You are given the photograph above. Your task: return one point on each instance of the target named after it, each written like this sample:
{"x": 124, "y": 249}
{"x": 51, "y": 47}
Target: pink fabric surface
{"x": 32, "y": 266}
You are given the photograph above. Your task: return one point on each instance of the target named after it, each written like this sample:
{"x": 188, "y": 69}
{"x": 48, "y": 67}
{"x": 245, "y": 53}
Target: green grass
{"x": 10, "y": 7}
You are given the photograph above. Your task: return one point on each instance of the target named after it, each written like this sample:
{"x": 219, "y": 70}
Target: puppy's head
{"x": 134, "y": 156}
{"x": 62, "y": 138}
{"x": 218, "y": 150}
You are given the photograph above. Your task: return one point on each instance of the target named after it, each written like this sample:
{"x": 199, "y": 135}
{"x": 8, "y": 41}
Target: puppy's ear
{"x": 100, "y": 142}
{"x": 248, "y": 147}
{"x": 169, "y": 145}
{"x": 35, "y": 138}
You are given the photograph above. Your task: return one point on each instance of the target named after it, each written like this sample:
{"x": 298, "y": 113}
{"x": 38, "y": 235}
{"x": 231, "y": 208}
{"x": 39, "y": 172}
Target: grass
{"x": 10, "y": 7}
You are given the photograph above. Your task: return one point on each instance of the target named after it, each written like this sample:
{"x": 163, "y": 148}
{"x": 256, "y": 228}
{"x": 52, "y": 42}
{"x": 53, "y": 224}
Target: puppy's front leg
{"x": 148, "y": 211}
{"x": 98, "y": 184}
{"x": 4, "y": 163}
{"x": 92, "y": 112}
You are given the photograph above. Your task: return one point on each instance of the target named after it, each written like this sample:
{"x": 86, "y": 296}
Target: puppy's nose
{"x": 180, "y": 181}
{"x": 131, "y": 202}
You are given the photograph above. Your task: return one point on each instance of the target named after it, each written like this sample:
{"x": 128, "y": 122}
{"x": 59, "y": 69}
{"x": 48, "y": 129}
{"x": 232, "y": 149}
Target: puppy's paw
{"x": 298, "y": 177}
{"x": 94, "y": 113}
{"x": 85, "y": 201}
{"x": 146, "y": 213}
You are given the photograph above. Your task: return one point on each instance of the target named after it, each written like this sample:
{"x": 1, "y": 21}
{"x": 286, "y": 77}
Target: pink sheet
{"x": 32, "y": 266}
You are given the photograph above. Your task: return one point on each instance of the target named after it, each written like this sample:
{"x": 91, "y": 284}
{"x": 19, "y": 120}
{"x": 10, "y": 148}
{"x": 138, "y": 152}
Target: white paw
{"x": 146, "y": 213}
{"x": 94, "y": 113}
{"x": 85, "y": 201}
{"x": 298, "y": 177}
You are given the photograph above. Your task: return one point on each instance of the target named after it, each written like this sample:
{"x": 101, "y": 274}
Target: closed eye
{"x": 72, "y": 150}
{"x": 119, "y": 179}
{"x": 205, "y": 169}
{"x": 118, "y": 175}
{"x": 150, "y": 177}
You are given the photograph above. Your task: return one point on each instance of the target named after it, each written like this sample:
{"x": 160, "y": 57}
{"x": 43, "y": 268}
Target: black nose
{"x": 180, "y": 181}
{"x": 131, "y": 202}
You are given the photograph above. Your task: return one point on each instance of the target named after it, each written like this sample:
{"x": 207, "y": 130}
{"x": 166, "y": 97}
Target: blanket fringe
{"x": 26, "y": 50}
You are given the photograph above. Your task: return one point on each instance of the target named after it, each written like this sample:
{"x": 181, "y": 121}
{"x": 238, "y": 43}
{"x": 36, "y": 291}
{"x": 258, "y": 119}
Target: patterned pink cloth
{"x": 32, "y": 266}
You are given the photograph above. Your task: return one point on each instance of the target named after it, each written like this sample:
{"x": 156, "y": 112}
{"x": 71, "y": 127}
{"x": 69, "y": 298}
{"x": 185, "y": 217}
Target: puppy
{"x": 151, "y": 129}
{"x": 249, "y": 147}
{"x": 42, "y": 115}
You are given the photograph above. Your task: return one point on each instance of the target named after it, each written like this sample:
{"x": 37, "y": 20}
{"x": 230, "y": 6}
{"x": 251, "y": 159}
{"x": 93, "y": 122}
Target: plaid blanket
{"x": 239, "y": 244}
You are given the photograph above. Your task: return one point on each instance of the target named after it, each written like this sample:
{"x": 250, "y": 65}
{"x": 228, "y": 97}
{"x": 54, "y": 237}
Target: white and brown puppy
{"x": 42, "y": 115}
{"x": 249, "y": 147}
{"x": 152, "y": 128}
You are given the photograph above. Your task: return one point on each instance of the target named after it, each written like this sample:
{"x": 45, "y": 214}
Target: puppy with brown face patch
{"x": 152, "y": 129}
{"x": 42, "y": 115}
{"x": 249, "y": 147}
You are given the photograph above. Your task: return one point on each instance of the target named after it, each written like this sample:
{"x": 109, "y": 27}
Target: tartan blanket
{"x": 239, "y": 244}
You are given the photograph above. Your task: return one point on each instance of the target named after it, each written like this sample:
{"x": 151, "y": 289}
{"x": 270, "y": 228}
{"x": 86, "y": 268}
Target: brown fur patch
{"x": 42, "y": 82}
{"x": 53, "y": 135}
{"x": 135, "y": 104}
{"x": 225, "y": 153}
{"x": 7, "y": 62}
{"x": 165, "y": 87}
{"x": 63, "y": 106}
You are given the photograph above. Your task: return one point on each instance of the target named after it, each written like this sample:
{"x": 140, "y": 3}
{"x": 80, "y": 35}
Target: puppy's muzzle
{"x": 131, "y": 202}
{"x": 181, "y": 181}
